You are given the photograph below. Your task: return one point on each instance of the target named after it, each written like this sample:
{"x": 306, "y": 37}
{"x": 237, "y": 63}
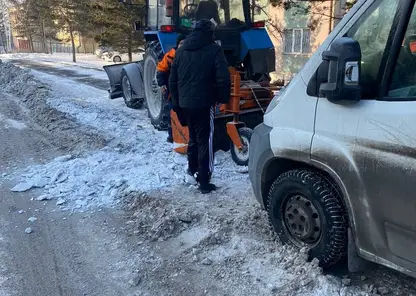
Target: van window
{"x": 372, "y": 31}
{"x": 403, "y": 83}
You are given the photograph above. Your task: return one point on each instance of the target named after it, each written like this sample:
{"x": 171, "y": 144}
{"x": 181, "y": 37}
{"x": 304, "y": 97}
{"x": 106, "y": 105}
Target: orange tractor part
{"x": 245, "y": 97}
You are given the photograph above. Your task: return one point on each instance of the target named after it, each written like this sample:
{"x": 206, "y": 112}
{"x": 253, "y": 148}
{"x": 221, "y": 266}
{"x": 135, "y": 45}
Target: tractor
{"x": 247, "y": 48}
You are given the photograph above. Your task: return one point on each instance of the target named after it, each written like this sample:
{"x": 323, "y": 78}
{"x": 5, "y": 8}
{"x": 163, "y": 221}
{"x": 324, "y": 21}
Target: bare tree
{"x": 333, "y": 10}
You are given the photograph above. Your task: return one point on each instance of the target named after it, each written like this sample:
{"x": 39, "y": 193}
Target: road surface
{"x": 68, "y": 72}
{"x": 66, "y": 254}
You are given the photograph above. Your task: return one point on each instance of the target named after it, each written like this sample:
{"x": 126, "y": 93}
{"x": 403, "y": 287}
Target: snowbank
{"x": 135, "y": 158}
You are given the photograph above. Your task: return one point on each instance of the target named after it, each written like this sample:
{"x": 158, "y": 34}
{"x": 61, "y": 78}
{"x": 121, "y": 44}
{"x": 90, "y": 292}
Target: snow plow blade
{"x": 114, "y": 75}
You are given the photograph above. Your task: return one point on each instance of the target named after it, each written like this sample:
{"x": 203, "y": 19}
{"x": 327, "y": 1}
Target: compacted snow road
{"x": 77, "y": 254}
{"x": 94, "y": 202}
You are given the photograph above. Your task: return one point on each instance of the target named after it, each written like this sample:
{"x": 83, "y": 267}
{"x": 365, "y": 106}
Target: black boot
{"x": 207, "y": 188}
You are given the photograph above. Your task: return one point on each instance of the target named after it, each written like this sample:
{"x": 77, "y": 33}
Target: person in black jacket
{"x": 200, "y": 79}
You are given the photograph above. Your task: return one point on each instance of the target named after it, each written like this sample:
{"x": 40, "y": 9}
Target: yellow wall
{"x": 288, "y": 64}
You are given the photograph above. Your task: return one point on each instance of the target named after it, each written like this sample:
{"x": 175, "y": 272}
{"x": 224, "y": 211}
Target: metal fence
{"x": 54, "y": 47}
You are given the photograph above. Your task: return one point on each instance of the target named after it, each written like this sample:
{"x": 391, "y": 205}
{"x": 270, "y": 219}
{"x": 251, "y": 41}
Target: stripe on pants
{"x": 211, "y": 136}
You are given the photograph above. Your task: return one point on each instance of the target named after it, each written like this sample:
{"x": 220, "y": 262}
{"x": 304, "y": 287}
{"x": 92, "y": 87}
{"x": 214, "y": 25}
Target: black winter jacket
{"x": 199, "y": 76}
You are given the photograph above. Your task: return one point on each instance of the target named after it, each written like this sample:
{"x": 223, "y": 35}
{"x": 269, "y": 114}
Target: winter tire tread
{"x": 332, "y": 246}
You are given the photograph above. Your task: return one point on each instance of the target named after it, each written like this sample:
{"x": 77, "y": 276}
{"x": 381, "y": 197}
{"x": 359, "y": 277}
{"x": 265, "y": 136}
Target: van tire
{"x": 309, "y": 194}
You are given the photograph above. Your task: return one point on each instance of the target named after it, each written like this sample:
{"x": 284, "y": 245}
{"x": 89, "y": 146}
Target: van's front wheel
{"x": 306, "y": 211}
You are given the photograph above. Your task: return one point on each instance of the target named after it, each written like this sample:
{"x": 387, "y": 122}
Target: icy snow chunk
{"x": 22, "y": 187}
{"x": 28, "y": 230}
{"x": 4, "y": 175}
{"x": 21, "y": 211}
{"x": 135, "y": 281}
{"x": 62, "y": 178}
{"x": 43, "y": 197}
{"x": 40, "y": 182}
{"x": 10, "y": 123}
{"x": 206, "y": 261}
{"x": 81, "y": 202}
{"x": 60, "y": 201}
{"x": 55, "y": 177}
{"x": 119, "y": 182}
{"x": 63, "y": 158}
{"x": 180, "y": 159}
{"x": 32, "y": 219}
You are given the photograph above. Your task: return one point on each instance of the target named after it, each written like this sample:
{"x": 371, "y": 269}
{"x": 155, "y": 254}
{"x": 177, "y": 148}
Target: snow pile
{"x": 101, "y": 177}
{"x": 68, "y": 134}
{"x": 223, "y": 247}
{"x": 135, "y": 158}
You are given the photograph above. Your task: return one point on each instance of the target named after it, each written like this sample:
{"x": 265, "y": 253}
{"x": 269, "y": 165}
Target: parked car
{"x": 117, "y": 57}
{"x": 106, "y": 55}
{"x": 334, "y": 163}
{"x": 100, "y": 51}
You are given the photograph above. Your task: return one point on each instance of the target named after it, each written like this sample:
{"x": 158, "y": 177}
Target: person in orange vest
{"x": 162, "y": 76}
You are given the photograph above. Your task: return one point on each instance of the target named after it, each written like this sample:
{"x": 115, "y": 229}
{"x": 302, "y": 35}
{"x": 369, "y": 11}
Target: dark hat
{"x": 180, "y": 38}
{"x": 204, "y": 25}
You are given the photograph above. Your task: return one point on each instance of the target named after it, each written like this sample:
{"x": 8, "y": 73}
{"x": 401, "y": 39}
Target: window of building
{"x": 297, "y": 41}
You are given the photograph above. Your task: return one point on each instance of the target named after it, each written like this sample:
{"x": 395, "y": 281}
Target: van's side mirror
{"x": 338, "y": 76}
{"x": 344, "y": 66}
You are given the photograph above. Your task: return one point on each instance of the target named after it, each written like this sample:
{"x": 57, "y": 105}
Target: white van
{"x": 334, "y": 163}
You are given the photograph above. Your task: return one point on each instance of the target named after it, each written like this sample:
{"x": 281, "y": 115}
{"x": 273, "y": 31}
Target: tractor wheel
{"x": 305, "y": 210}
{"x": 156, "y": 103}
{"x": 128, "y": 93}
{"x": 240, "y": 156}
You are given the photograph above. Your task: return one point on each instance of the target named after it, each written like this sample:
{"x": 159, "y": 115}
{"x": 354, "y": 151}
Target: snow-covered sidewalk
{"x": 88, "y": 61}
{"x": 86, "y": 66}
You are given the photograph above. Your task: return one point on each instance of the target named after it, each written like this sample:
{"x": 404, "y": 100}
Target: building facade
{"x": 298, "y": 31}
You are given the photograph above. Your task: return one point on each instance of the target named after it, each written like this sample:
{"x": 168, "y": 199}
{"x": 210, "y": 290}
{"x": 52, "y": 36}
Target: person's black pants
{"x": 200, "y": 147}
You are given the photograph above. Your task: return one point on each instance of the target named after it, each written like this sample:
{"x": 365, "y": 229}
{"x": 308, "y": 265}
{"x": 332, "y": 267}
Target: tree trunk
{"x": 79, "y": 42}
{"x": 130, "y": 47}
{"x": 331, "y": 14}
{"x": 85, "y": 45}
{"x": 74, "y": 54}
{"x": 44, "y": 46}
{"x": 32, "y": 48}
